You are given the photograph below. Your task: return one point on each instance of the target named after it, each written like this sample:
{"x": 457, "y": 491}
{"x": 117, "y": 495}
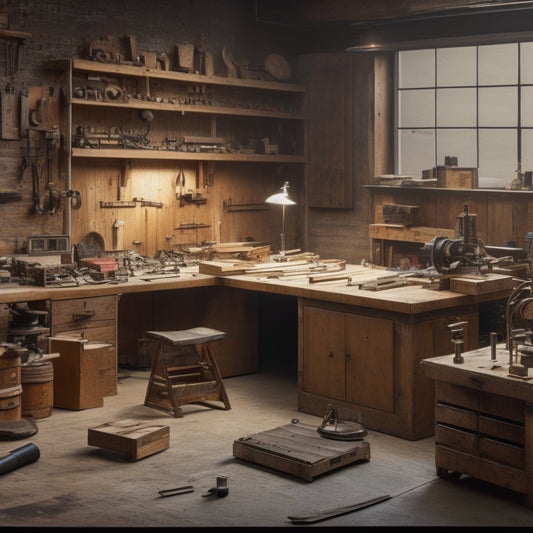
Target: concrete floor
{"x": 73, "y": 484}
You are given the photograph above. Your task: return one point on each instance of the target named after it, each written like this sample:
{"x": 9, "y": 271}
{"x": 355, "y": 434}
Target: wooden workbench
{"x": 361, "y": 350}
{"x": 358, "y": 349}
{"x": 483, "y": 420}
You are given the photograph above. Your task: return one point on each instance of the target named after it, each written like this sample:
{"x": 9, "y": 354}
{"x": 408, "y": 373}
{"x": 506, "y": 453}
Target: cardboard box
{"x": 457, "y": 177}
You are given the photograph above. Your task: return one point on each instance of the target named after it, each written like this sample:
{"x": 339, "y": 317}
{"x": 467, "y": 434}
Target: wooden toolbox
{"x": 136, "y": 439}
{"x": 299, "y": 450}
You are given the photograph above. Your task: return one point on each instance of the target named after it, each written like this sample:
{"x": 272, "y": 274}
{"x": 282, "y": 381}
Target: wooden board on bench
{"x": 136, "y": 439}
{"x": 299, "y": 450}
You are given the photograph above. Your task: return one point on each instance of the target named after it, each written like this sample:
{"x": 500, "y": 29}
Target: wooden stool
{"x": 184, "y": 370}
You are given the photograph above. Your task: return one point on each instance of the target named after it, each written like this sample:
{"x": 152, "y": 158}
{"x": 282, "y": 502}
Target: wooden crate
{"x": 457, "y": 177}
{"x": 136, "y": 439}
{"x": 78, "y": 382}
{"x": 298, "y": 450}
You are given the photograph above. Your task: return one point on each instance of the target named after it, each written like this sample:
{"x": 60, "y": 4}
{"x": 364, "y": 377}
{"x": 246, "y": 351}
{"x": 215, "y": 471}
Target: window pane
{"x": 527, "y": 150}
{"x": 497, "y": 157}
{"x": 456, "y": 107}
{"x": 416, "y": 108}
{"x": 498, "y": 64}
{"x": 498, "y": 106}
{"x": 416, "y": 151}
{"x": 456, "y": 66}
{"x": 526, "y": 106}
{"x": 526, "y": 63}
{"x": 459, "y": 143}
{"x": 416, "y": 68}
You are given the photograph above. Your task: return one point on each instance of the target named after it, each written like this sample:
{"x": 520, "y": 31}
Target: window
{"x": 473, "y": 102}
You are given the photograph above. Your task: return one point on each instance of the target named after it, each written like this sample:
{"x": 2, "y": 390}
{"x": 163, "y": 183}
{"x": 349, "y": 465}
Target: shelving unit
{"x": 121, "y": 122}
{"x": 204, "y": 105}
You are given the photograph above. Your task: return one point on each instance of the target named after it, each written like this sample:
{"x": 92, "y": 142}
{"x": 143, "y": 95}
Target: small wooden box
{"x": 457, "y": 177}
{"x": 136, "y": 439}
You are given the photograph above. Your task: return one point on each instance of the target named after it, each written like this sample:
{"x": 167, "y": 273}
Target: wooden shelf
{"x": 144, "y": 72}
{"x": 184, "y": 108}
{"x": 421, "y": 234}
{"x": 189, "y": 156}
{"x": 11, "y": 34}
{"x": 440, "y": 190}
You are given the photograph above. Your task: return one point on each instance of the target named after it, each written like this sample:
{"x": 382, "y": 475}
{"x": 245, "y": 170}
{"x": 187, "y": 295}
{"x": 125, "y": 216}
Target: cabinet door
{"x": 370, "y": 362}
{"x": 324, "y": 352}
{"x": 328, "y": 79}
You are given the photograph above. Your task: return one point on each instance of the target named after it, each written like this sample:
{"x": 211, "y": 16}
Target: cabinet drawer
{"x": 453, "y": 416}
{"x": 502, "y": 406}
{"x": 501, "y": 452}
{"x": 501, "y": 429}
{"x": 456, "y": 395}
{"x": 105, "y": 334}
{"x": 457, "y": 439}
{"x": 83, "y": 313}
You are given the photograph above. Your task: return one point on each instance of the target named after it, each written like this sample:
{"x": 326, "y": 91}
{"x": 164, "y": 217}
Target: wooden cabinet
{"x": 329, "y": 79}
{"x": 94, "y": 320}
{"x": 341, "y": 350}
{"x": 483, "y": 420}
{"x": 367, "y": 363}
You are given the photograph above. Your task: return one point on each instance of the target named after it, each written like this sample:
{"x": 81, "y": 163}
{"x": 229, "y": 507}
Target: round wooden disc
{"x": 278, "y": 67}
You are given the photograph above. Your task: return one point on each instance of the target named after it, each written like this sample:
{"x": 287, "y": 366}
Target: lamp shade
{"x": 281, "y": 198}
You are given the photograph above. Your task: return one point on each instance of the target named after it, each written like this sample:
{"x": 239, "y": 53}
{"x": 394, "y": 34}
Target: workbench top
{"x": 188, "y": 277}
{"x": 408, "y": 299}
{"x": 479, "y": 372}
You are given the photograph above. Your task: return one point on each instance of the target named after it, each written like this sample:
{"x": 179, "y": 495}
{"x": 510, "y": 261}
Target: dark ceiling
{"x": 336, "y": 25}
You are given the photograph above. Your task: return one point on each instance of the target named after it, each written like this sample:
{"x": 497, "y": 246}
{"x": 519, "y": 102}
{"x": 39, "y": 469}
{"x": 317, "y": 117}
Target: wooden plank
{"x": 420, "y": 234}
{"x": 486, "y": 284}
{"x": 298, "y": 449}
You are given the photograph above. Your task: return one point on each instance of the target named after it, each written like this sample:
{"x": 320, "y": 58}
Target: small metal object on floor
{"x": 176, "y": 491}
{"x": 220, "y": 490}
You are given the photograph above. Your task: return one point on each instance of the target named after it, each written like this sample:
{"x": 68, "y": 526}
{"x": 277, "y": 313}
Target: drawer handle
{"x": 83, "y": 316}
{"x": 330, "y": 354}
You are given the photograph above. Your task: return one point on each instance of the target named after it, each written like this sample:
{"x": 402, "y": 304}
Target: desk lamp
{"x": 281, "y": 198}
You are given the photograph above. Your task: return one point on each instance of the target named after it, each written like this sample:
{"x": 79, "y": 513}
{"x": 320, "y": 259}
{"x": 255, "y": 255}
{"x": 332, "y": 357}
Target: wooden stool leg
{"x": 209, "y": 356}
{"x": 159, "y": 382}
